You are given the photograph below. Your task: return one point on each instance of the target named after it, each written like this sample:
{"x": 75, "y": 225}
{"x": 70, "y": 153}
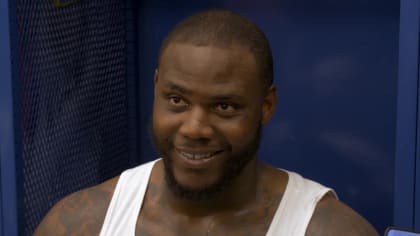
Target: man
{"x": 213, "y": 93}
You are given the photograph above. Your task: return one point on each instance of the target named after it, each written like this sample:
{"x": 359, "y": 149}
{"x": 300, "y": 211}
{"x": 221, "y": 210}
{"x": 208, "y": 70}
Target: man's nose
{"x": 196, "y": 124}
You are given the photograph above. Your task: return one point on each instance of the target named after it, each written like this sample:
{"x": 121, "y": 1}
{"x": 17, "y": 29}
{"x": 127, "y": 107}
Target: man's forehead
{"x": 208, "y": 57}
{"x": 209, "y": 65}
{"x": 178, "y": 80}
{"x": 180, "y": 48}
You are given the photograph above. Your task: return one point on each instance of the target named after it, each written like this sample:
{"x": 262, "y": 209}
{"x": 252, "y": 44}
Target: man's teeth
{"x": 196, "y": 156}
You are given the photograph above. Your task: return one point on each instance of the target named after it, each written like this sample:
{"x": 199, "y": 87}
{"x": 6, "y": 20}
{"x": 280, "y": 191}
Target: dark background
{"x": 336, "y": 65}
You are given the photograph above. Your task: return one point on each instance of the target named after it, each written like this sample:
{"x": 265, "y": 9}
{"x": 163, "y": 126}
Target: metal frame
{"x": 408, "y": 126}
{"x": 8, "y": 194}
{"x": 417, "y": 158}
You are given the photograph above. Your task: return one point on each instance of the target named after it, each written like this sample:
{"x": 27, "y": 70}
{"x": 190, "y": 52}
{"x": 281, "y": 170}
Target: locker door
{"x": 407, "y": 197}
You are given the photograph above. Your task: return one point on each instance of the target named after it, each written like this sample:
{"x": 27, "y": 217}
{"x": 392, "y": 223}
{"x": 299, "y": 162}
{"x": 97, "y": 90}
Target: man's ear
{"x": 156, "y": 76}
{"x": 269, "y": 104}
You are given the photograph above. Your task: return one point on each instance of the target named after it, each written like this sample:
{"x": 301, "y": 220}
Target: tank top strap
{"x": 297, "y": 206}
{"x": 123, "y": 210}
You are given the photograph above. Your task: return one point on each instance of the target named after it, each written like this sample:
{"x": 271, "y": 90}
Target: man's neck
{"x": 241, "y": 193}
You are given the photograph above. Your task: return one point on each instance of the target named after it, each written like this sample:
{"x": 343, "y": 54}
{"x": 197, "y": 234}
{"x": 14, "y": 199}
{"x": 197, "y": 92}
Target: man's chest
{"x": 167, "y": 227}
{"x": 153, "y": 220}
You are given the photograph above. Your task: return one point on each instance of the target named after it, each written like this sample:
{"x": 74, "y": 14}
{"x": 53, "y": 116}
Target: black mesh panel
{"x": 73, "y": 98}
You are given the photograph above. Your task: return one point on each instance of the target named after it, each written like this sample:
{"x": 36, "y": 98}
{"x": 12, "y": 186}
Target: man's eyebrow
{"x": 226, "y": 97}
{"x": 221, "y": 97}
{"x": 177, "y": 88}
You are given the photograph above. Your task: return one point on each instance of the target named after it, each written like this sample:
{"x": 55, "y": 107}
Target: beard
{"x": 232, "y": 168}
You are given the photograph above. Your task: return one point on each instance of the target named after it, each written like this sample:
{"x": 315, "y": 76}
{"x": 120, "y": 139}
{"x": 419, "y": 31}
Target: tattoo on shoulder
{"x": 81, "y": 213}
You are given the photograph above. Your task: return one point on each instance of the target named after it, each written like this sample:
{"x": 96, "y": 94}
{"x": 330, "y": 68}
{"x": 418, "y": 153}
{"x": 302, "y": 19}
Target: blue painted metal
{"x": 407, "y": 114}
{"x": 8, "y": 185}
{"x": 336, "y": 70}
{"x": 417, "y": 173}
{"x": 417, "y": 158}
{"x": 1, "y": 200}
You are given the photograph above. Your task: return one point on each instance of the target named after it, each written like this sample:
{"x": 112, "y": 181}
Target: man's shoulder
{"x": 79, "y": 213}
{"x": 333, "y": 217}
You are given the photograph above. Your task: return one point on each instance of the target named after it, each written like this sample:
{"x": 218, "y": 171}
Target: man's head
{"x": 223, "y": 29}
{"x": 212, "y": 95}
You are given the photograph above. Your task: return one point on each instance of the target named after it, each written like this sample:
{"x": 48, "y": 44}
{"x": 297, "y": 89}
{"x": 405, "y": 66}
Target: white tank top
{"x": 291, "y": 218}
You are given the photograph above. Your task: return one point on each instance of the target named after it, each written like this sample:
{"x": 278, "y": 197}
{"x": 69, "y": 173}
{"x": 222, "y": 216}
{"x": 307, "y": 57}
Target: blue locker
{"x": 347, "y": 74}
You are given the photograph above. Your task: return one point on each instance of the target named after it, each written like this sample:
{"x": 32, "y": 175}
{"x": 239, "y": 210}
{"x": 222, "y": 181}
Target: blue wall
{"x": 336, "y": 66}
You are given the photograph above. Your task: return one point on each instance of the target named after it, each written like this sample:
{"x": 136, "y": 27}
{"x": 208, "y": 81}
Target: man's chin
{"x": 195, "y": 184}
{"x": 196, "y": 191}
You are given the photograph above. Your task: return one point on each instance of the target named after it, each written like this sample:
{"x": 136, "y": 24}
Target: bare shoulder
{"x": 332, "y": 217}
{"x": 80, "y": 213}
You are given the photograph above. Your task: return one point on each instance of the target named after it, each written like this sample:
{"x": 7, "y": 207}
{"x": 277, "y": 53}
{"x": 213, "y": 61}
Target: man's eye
{"x": 177, "y": 101}
{"x": 225, "y": 107}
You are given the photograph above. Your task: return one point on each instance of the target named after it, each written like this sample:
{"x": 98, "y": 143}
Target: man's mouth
{"x": 197, "y": 155}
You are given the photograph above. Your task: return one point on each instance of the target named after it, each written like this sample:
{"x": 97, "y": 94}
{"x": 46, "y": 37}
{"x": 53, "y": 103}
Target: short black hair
{"x": 223, "y": 28}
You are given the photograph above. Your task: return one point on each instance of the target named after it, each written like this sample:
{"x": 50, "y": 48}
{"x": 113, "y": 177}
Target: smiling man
{"x": 213, "y": 94}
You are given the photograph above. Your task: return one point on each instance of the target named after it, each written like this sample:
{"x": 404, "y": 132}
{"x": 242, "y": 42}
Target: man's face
{"x": 207, "y": 116}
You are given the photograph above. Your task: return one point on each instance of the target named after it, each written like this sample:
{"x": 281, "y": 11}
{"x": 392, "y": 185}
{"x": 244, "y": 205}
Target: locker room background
{"x": 76, "y": 94}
